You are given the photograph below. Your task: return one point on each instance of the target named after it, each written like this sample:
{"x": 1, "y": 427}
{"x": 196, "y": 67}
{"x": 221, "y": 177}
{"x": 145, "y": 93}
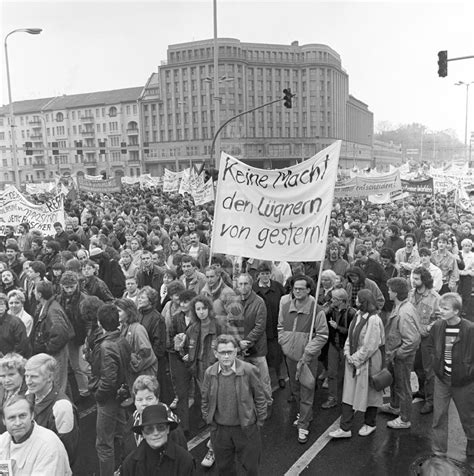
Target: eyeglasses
{"x": 225, "y": 353}
{"x": 149, "y": 429}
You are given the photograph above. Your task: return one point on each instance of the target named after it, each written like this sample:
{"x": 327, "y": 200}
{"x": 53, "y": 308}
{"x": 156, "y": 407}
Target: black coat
{"x": 176, "y": 461}
{"x": 271, "y": 295}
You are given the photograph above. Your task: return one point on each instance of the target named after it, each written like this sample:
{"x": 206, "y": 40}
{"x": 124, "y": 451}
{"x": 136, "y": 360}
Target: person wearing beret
{"x": 157, "y": 454}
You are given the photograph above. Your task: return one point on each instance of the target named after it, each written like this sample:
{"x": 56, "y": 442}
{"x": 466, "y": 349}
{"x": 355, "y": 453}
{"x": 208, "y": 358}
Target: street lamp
{"x": 462, "y": 83}
{"x": 30, "y": 31}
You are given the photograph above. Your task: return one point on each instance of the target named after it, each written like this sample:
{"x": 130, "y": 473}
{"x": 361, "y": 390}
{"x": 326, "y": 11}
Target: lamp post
{"x": 31, "y": 31}
{"x": 462, "y": 83}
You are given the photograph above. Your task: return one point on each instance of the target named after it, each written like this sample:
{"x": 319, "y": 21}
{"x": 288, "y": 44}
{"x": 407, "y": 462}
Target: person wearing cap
{"x": 70, "y": 298}
{"x": 157, "y": 454}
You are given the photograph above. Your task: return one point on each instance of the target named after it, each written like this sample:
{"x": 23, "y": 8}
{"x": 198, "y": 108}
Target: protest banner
{"x": 15, "y": 209}
{"x": 171, "y": 181}
{"x": 278, "y": 214}
{"x": 37, "y": 188}
{"x": 205, "y": 194}
{"x": 109, "y": 185}
{"x": 185, "y": 185}
{"x": 382, "y": 198}
{"x": 93, "y": 177}
{"x": 419, "y": 187}
{"x": 364, "y": 185}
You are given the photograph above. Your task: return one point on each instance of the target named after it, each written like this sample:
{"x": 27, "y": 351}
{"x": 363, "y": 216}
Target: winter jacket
{"x": 462, "y": 353}
{"x": 52, "y": 331}
{"x": 71, "y": 306}
{"x": 153, "y": 278}
{"x": 255, "y": 322}
{"x": 205, "y": 354}
{"x": 196, "y": 283}
{"x": 94, "y": 286}
{"x": 56, "y": 412}
{"x": 252, "y": 406}
{"x": 155, "y": 326}
{"x": 13, "y": 336}
{"x": 271, "y": 295}
{"x": 109, "y": 366}
{"x": 111, "y": 273}
{"x": 426, "y": 306}
{"x": 294, "y": 328}
{"x": 402, "y": 334}
{"x": 343, "y": 318}
{"x": 372, "y": 287}
{"x": 176, "y": 461}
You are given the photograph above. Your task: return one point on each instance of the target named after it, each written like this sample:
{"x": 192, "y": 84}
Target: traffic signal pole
{"x": 235, "y": 117}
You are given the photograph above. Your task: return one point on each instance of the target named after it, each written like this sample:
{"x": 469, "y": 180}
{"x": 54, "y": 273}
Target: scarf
{"x": 355, "y": 330}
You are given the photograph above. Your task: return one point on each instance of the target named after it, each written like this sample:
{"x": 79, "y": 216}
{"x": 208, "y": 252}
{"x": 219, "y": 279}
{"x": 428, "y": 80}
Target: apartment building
{"x": 92, "y": 133}
{"x": 178, "y": 105}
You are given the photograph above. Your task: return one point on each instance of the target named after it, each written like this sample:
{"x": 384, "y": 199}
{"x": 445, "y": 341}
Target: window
{"x": 74, "y": 129}
{"x": 112, "y": 111}
{"x": 59, "y": 117}
{"x": 128, "y": 109}
{"x": 73, "y": 115}
{"x": 134, "y": 109}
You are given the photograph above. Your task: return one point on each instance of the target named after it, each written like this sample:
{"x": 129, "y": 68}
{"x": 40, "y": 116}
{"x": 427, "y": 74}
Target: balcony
{"x": 37, "y": 136}
{"x": 132, "y": 132}
{"x": 90, "y": 162}
{"x": 88, "y": 132}
{"x": 38, "y": 153}
{"x": 39, "y": 164}
{"x": 35, "y": 123}
{"x": 87, "y": 119}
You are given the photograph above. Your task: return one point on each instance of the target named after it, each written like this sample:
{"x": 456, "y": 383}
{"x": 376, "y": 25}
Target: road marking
{"x": 311, "y": 453}
{"x": 198, "y": 439}
{"x": 88, "y": 411}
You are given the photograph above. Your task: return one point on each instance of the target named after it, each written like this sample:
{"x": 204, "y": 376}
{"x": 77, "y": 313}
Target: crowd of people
{"x": 127, "y": 305}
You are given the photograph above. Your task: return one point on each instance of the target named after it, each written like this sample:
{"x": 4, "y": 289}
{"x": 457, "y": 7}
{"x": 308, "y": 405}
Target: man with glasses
{"x": 301, "y": 345}
{"x": 234, "y": 404}
{"x": 339, "y": 316}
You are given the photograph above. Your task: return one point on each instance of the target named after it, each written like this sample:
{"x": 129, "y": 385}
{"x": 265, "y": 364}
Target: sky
{"x": 388, "y": 49}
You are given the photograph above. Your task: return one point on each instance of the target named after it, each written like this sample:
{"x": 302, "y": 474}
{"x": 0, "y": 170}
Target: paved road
{"x": 385, "y": 452}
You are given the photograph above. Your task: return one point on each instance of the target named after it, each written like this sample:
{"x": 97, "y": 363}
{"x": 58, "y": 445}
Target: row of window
{"x": 248, "y": 54}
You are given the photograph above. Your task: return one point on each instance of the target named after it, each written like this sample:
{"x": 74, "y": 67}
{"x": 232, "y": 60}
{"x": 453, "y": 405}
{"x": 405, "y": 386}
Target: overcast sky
{"x": 389, "y": 49}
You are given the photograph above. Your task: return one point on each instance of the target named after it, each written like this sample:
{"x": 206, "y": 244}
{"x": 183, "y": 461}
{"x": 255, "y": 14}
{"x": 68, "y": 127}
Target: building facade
{"x": 94, "y": 133}
{"x": 178, "y": 105}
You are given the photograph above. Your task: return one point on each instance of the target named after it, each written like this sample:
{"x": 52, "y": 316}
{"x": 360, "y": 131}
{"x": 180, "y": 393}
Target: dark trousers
{"x": 182, "y": 381}
{"x": 463, "y": 398}
{"x": 347, "y": 416}
{"x": 231, "y": 441}
{"x": 424, "y": 370}
{"x": 400, "y": 390}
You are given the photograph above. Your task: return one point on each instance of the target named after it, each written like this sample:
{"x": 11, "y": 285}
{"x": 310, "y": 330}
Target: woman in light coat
{"x": 363, "y": 358}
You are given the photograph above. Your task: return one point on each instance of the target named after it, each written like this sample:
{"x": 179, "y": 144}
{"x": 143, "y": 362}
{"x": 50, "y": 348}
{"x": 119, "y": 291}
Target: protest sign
{"x": 364, "y": 185}
{"x": 171, "y": 181}
{"x": 419, "y": 187}
{"x": 16, "y": 209}
{"x": 205, "y": 194}
{"x": 278, "y": 214}
{"x": 100, "y": 186}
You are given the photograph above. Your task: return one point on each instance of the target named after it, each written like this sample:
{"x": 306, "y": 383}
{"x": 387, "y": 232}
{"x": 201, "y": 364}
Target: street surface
{"x": 385, "y": 452}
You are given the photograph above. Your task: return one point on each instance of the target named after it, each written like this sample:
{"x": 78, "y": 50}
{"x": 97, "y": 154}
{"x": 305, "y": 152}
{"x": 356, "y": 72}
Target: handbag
{"x": 306, "y": 377}
{"x": 382, "y": 379}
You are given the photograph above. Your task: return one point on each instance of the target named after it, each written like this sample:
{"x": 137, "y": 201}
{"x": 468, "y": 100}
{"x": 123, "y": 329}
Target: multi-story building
{"x": 92, "y": 133}
{"x": 178, "y": 105}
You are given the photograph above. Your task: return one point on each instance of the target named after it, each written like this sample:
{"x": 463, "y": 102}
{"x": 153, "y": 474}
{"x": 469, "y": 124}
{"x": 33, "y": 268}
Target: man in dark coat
{"x": 109, "y": 367}
{"x": 271, "y": 292}
{"x": 109, "y": 271}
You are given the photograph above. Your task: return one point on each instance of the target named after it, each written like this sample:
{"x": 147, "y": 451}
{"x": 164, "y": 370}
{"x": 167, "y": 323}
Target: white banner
{"x": 205, "y": 195}
{"x": 16, "y": 209}
{"x": 365, "y": 185}
{"x": 171, "y": 181}
{"x": 36, "y": 188}
{"x": 275, "y": 214}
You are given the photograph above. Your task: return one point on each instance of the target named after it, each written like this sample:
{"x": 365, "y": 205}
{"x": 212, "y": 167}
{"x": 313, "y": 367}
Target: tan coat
{"x": 356, "y": 391}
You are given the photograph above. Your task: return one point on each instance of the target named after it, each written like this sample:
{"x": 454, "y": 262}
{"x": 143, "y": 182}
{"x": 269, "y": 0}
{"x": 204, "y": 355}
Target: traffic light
{"x": 79, "y": 147}
{"x": 287, "y": 98}
{"x": 102, "y": 147}
{"x": 123, "y": 146}
{"x": 29, "y": 148}
{"x": 442, "y": 63}
{"x": 55, "y": 147}
{"x": 146, "y": 149}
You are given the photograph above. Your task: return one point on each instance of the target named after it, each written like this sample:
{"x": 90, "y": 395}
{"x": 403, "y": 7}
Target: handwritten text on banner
{"x": 275, "y": 214}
